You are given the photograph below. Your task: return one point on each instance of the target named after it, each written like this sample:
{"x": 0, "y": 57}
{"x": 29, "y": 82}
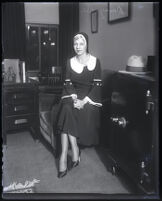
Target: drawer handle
{"x": 20, "y": 108}
{"x": 21, "y": 95}
{"x": 21, "y": 121}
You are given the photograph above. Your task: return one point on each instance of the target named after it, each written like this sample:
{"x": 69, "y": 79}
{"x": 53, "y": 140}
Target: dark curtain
{"x": 13, "y": 30}
{"x": 69, "y": 25}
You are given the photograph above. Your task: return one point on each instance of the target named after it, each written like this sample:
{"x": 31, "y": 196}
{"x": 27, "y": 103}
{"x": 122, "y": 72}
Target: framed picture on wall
{"x": 94, "y": 21}
{"x": 118, "y": 11}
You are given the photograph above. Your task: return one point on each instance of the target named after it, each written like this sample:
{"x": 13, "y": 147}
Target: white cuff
{"x": 73, "y": 96}
{"x": 92, "y": 102}
{"x": 97, "y": 80}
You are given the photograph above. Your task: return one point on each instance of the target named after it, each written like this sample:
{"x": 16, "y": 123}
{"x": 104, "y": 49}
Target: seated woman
{"x": 79, "y": 119}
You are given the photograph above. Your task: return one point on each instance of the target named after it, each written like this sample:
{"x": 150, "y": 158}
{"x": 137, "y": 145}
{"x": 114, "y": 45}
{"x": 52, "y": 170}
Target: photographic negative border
{"x": 94, "y": 195}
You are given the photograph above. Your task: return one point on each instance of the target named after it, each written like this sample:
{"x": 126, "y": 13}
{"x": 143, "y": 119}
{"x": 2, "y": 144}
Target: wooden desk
{"x": 20, "y": 109}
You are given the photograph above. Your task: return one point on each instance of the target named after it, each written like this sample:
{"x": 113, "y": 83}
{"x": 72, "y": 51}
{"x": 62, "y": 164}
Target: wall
{"x": 45, "y": 13}
{"x": 114, "y": 43}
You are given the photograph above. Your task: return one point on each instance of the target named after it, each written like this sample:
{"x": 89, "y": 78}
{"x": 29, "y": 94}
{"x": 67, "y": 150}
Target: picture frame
{"x": 12, "y": 71}
{"x": 94, "y": 21}
{"x": 118, "y": 11}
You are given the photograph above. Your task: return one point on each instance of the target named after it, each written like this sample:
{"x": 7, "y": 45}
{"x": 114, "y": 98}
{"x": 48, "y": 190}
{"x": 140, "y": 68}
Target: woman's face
{"x": 80, "y": 46}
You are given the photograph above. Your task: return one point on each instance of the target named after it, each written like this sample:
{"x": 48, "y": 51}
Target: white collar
{"x": 78, "y": 67}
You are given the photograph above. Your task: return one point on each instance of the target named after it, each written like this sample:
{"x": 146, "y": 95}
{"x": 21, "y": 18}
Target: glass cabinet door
{"x": 41, "y": 48}
{"x": 32, "y": 48}
{"x": 49, "y": 53}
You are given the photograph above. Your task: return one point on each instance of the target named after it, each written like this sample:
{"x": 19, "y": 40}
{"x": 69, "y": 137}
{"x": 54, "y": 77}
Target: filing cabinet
{"x": 20, "y": 109}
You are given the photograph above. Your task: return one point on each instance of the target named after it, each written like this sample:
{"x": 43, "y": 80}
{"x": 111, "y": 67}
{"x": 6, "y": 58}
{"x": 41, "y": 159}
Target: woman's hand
{"x": 74, "y": 97}
{"x": 79, "y": 104}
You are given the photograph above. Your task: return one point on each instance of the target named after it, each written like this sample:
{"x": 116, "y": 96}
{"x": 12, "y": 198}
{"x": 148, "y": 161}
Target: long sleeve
{"x": 94, "y": 95}
{"x": 68, "y": 88}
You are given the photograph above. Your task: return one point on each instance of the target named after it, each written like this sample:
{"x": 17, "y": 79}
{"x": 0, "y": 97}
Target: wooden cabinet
{"x": 41, "y": 48}
{"x": 20, "y": 108}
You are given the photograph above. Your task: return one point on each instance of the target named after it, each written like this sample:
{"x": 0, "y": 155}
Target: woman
{"x": 79, "y": 119}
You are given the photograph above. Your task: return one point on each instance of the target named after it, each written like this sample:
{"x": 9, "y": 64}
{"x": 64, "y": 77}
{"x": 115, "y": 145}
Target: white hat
{"x": 136, "y": 64}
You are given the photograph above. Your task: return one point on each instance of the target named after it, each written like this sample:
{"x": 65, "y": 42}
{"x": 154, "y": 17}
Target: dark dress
{"x": 84, "y": 124}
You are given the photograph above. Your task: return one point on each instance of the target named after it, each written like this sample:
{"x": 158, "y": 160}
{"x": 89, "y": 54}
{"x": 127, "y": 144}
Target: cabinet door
{"x": 32, "y": 48}
{"x": 49, "y": 52}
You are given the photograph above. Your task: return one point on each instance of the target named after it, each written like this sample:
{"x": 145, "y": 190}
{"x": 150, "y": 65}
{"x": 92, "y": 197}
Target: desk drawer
{"x": 17, "y": 109}
{"x": 11, "y": 97}
{"x": 17, "y": 122}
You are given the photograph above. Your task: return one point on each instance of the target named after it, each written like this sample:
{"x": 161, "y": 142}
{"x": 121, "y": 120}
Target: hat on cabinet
{"x": 136, "y": 64}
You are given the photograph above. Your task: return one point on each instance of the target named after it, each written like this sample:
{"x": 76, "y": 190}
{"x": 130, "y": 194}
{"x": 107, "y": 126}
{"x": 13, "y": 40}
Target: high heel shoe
{"x": 62, "y": 173}
{"x": 76, "y": 163}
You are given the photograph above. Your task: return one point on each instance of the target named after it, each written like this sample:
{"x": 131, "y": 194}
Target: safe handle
{"x": 120, "y": 121}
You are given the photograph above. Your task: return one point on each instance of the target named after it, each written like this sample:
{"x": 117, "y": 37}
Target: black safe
{"x": 133, "y": 133}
